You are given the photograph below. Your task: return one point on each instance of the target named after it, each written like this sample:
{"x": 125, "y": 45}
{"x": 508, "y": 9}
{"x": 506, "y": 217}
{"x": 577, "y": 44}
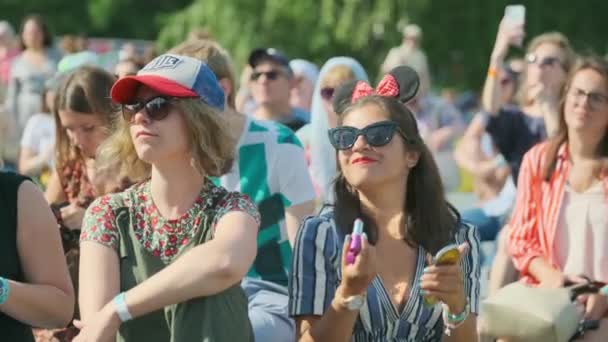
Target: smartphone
{"x": 448, "y": 255}
{"x": 515, "y": 14}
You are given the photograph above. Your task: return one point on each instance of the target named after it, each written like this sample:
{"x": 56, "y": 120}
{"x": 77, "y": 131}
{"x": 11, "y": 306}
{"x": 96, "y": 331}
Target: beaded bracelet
{"x": 453, "y": 321}
{"x": 4, "y": 290}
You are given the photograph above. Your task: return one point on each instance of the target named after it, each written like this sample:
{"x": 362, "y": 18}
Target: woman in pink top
{"x": 559, "y": 228}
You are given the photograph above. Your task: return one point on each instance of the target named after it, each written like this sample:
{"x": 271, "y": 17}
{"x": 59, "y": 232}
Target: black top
{"x": 295, "y": 124}
{"x": 10, "y": 266}
{"x": 514, "y": 133}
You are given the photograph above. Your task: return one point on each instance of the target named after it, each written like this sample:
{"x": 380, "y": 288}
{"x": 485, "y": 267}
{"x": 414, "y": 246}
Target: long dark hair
{"x": 47, "y": 36}
{"x": 599, "y": 65}
{"x": 432, "y": 221}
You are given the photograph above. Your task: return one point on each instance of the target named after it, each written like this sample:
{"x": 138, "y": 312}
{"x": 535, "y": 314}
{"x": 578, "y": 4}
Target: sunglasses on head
{"x": 270, "y": 75}
{"x": 157, "y": 108}
{"x": 327, "y": 93}
{"x": 546, "y": 61}
{"x": 377, "y": 134}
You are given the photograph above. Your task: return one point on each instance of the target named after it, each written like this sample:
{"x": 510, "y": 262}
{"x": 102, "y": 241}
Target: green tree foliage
{"x": 140, "y": 19}
{"x": 458, "y": 35}
{"x": 313, "y": 29}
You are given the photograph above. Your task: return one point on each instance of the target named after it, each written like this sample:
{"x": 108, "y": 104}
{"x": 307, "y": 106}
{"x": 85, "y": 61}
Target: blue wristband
{"x": 4, "y": 290}
{"x": 120, "y": 305}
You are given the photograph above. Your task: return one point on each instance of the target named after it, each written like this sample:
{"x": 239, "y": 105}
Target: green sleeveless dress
{"x": 146, "y": 243}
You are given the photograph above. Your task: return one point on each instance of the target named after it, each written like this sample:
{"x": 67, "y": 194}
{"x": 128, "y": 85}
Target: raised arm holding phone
{"x": 510, "y": 33}
{"x": 514, "y": 129}
{"x": 362, "y": 271}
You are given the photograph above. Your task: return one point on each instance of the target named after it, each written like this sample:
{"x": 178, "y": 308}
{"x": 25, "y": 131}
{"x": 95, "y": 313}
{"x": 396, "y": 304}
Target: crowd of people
{"x": 169, "y": 199}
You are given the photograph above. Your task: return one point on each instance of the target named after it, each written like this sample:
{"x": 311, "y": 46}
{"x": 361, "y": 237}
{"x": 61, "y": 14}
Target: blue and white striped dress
{"x": 315, "y": 275}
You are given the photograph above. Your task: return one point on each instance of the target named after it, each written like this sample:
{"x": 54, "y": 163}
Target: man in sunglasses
{"x": 270, "y": 167}
{"x": 271, "y": 82}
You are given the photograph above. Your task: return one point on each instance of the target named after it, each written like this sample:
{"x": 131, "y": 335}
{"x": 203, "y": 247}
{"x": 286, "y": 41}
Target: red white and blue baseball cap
{"x": 175, "y": 76}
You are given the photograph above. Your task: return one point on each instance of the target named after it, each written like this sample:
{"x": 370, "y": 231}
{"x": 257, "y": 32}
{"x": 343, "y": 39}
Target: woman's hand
{"x": 102, "y": 327}
{"x": 507, "y": 35}
{"x": 356, "y": 277}
{"x": 595, "y": 305}
{"x": 557, "y": 279}
{"x": 72, "y": 216}
{"x": 446, "y": 283}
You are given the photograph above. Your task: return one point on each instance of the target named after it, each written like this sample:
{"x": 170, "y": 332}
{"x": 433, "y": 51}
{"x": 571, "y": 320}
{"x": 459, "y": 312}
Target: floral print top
{"x": 76, "y": 185}
{"x": 158, "y": 235}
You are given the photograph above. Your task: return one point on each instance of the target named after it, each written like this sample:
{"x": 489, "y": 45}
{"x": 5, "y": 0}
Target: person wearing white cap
{"x": 163, "y": 260}
{"x": 408, "y": 53}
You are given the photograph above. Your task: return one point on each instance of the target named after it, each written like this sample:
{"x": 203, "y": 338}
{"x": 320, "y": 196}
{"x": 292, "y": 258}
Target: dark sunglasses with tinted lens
{"x": 270, "y": 75}
{"x": 157, "y": 108}
{"x": 546, "y": 61}
{"x": 327, "y": 93}
{"x": 378, "y": 134}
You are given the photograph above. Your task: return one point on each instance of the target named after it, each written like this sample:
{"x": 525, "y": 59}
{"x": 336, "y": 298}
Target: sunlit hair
{"x": 432, "y": 221}
{"x": 338, "y": 75}
{"x": 208, "y": 138}
{"x": 216, "y": 58}
{"x": 567, "y": 58}
{"x": 599, "y": 65}
{"x": 85, "y": 90}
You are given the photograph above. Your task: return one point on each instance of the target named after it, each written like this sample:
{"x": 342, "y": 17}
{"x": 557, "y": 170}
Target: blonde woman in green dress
{"x": 163, "y": 260}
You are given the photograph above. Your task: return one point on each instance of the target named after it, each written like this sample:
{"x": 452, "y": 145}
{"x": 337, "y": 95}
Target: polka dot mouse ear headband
{"x": 401, "y": 83}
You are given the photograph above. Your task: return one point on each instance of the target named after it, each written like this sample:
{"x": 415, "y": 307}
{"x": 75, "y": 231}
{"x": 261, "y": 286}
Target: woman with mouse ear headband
{"x": 388, "y": 178}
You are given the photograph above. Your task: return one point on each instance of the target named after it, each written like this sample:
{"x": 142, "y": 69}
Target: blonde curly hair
{"x": 208, "y": 137}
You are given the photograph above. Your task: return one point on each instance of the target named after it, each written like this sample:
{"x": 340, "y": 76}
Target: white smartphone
{"x": 516, "y": 14}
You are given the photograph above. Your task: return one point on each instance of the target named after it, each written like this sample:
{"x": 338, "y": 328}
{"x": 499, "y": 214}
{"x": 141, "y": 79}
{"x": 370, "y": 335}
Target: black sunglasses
{"x": 377, "y": 134}
{"x": 327, "y": 93}
{"x": 157, "y": 108}
{"x": 270, "y": 75}
{"x": 547, "y": 61}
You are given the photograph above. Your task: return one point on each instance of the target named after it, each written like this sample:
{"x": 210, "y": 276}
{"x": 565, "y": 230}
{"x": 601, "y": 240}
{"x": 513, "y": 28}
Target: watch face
{"x": 355, "y": 302}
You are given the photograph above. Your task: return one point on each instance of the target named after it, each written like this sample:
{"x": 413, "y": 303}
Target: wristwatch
{"x": 352, "y": 303}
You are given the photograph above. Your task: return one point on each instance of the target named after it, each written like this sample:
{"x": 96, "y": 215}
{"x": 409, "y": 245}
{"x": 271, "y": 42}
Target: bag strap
{"x": 583, "y": 288}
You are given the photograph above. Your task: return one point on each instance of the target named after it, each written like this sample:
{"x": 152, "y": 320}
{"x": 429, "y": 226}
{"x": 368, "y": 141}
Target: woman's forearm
{"x": 336, "y": 324}
{"x": 41, "y": 306}
{"x": 542, "y": 271}
{"x": 467, "y": 332}
{"x": 32, "y": 164}
{"x": 203, "y": 271}
{"x": 490, "y": 99}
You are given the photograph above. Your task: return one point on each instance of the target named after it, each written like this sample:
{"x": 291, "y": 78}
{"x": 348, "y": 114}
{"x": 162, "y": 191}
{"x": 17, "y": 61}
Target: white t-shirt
{"x": 39, "y": 133}
{"x": 581, "y": 237}
{"x": 270, "y": 167}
